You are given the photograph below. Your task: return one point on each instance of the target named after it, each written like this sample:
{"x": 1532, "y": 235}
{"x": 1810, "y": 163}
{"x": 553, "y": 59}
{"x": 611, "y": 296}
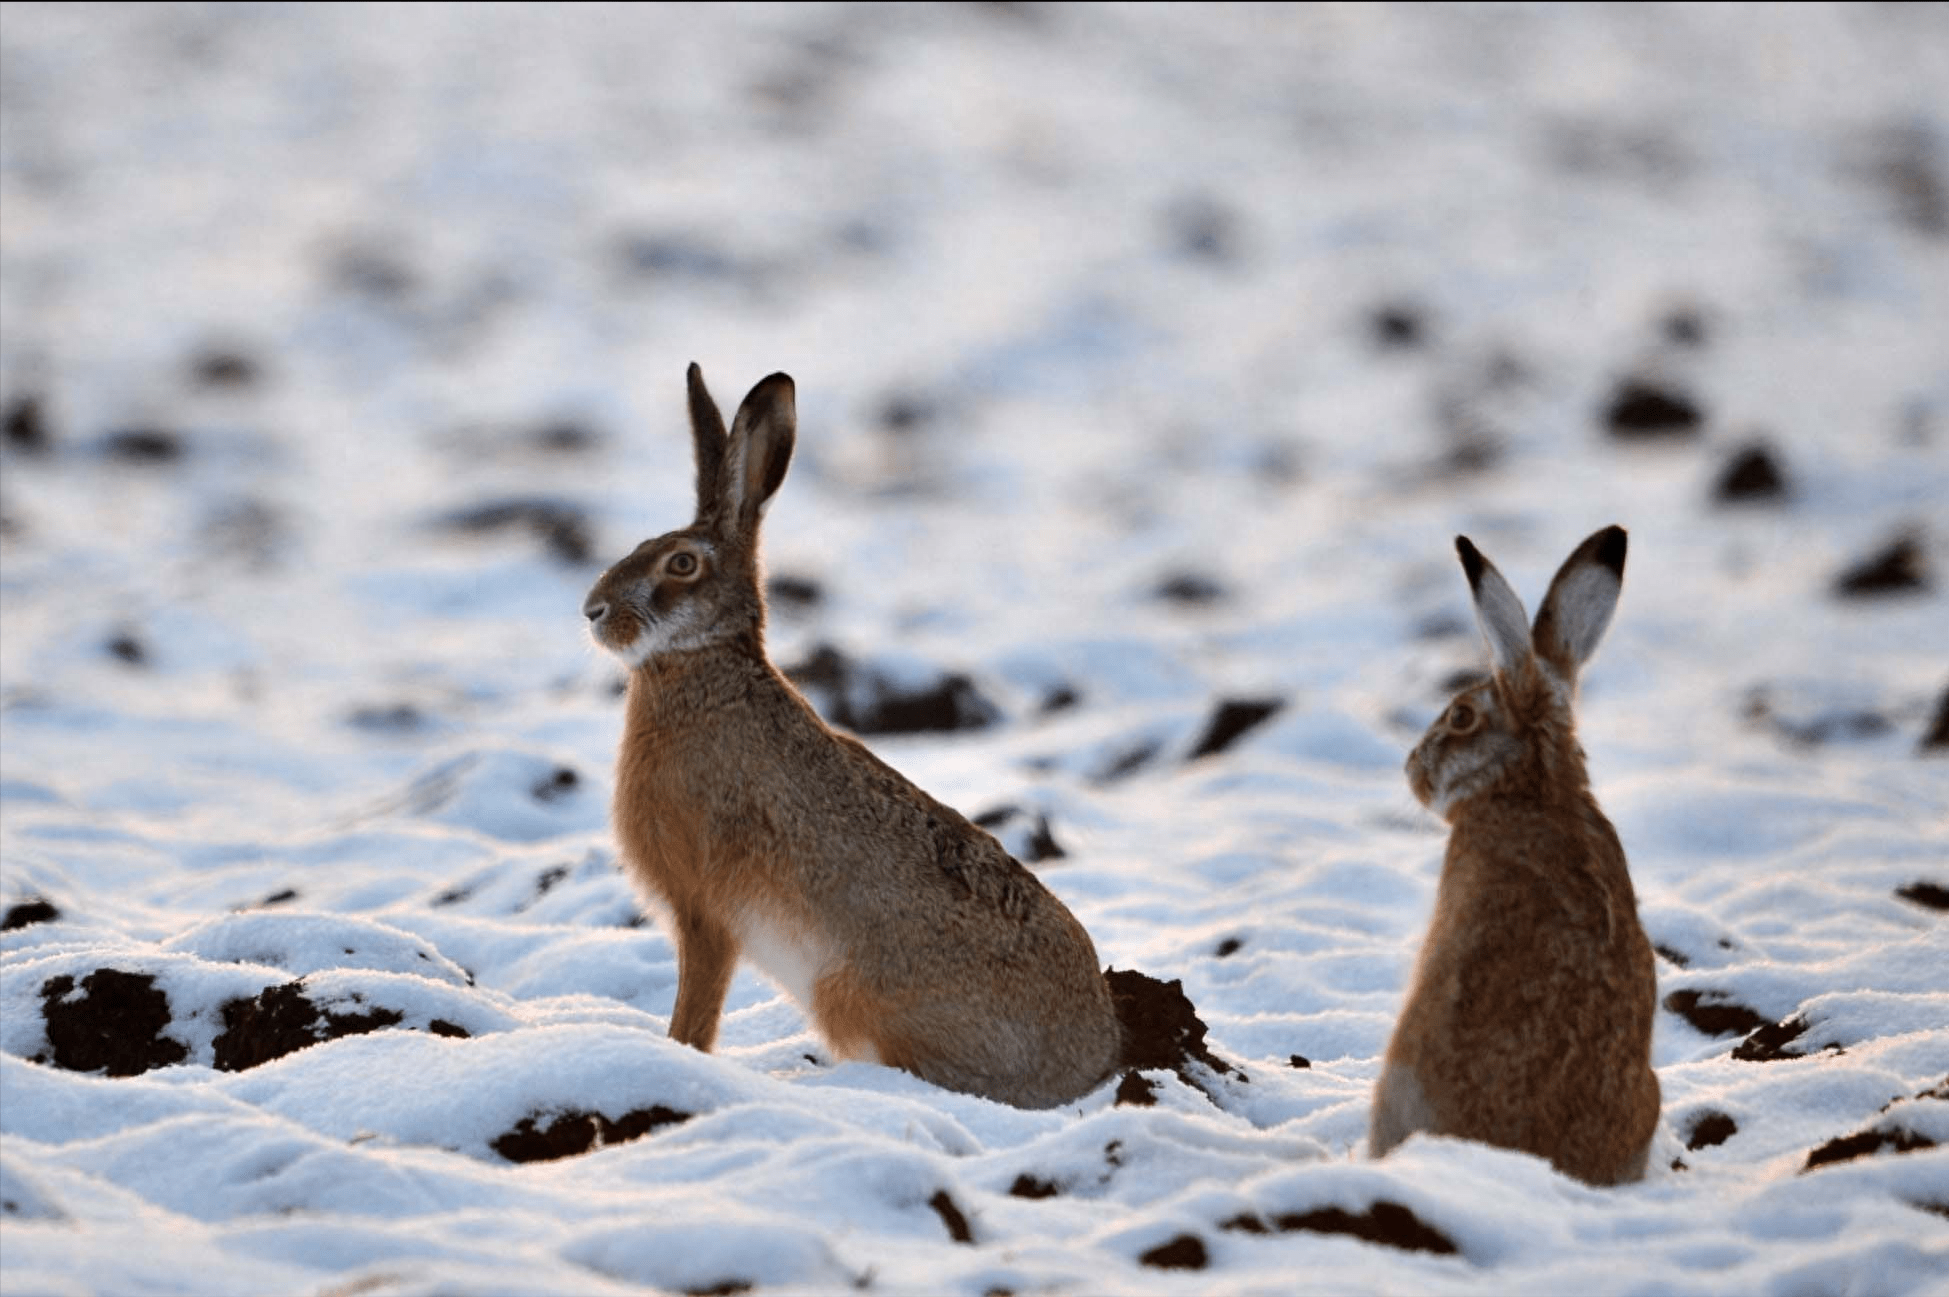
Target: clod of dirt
{"x": 143, "y": 446}
{"x": 384, "y": 718}
{"x": 905, "y": 413}
{"x": 951, "y": 1216}
{"x": 556, "y": 785}
{"x": 1031, "y": 842}
{"x": 1642, "y": 409}
{"x": 1033, "y": 1187}
{"x": 1191, "y": 589}
{"x": 1752, "y": 475}
{"x": 25, "y": 426}
{"x": 728, "y": 1288}
{"x": 1063, "y": 697}
{"x": 1938, "y": 736}
{"x": 569, "y": 1134}
{"x": 1387, "y": 1223}
{"x": 1906, "y": 166}
{"x": 1864, "y": 1143}
{"x": 224, "y": 367}
{"x": 282, "y": 896}
{"x": 1301, "y": 1061}
{"x": 1932, "y": 896}
{"x": 1228, "y": 947}
{"x": 127, "y": 647}
{"x": 451, "y": 1030}
{"x": 1769, "y": 1043}
{"x": 1398, "y": 326}
{"x": 1128, "y": 761}
{"x": 280, "y": 1020}
{"x": 561, "y": 527}
{"x": 114, "y": 1027}
{"x": 1162, "y": 1032}
{"x": 36, "y": 910}
{"x": 865, "y": 701}
{"x": 1710, "y": 1128}
{"x": 1185, "y": 1252}
{"x": 563, "y": 437}
{"x": 1136, "y": 1091}
{"x": 1234, "y": 717}
{"x": 1670, "y": 956}
{"x": 1714, "y": 1014}
{"x": 1900, "y": 568}
{"x": 1685, "y": 326}
{"x": 794, "y": 592}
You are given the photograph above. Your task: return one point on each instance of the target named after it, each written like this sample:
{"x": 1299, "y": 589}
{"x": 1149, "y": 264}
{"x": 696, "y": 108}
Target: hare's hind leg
{"x": 707, "y": 955}
{"x": 1400, "y": 1109}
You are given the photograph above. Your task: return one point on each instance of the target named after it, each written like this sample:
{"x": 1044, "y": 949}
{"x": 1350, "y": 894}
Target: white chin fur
{"x": 670, "y": 635}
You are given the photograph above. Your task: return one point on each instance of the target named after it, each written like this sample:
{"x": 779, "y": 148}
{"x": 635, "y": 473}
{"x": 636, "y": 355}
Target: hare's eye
{"x": 683, "y": 563}
{"x": 1461, "y": 718}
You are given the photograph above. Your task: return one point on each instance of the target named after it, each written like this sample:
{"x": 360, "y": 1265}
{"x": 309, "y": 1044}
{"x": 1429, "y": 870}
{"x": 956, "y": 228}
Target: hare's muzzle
{"x": 595, "y": 610}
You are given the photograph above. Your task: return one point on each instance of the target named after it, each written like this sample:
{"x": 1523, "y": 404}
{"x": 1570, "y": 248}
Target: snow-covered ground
{"x": 1148, "y": 360}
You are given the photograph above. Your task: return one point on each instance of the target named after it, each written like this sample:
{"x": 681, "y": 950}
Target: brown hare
{"x": 908, "y": 936}
{"x": 1528, "y": 1024}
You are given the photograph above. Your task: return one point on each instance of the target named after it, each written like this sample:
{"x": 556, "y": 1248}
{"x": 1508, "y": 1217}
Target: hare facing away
{"x": 909, "y": 936}
{"x": 1528, "y": 1024}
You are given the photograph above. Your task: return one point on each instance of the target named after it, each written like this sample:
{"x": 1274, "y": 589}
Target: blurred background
{"x": 341, "y": 346}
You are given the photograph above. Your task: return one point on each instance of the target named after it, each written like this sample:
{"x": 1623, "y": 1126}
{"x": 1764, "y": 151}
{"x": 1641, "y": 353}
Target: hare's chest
{"x": 787, "y": 953}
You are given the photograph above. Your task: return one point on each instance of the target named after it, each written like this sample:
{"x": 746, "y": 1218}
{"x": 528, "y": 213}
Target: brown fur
{"x": 1528, "y": 1024}
{"x": 925, "y": 945}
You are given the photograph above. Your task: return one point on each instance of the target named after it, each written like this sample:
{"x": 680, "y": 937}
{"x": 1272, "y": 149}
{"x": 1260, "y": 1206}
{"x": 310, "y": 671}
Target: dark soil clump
{"x": 144, "y": 446}
{"x": 864, "y": 701}
{"x": 1232, "y": 720}
{"x": 1713, "y": 1014}
{"x": 1033, "y": 1188}
{"x": 1769, "y": 1043}
{"x": 562, "y": 528}
{"x": 1897, "y": 569}
{"x": 1643, "y": 410}
{"x": 280, "y": 1020}
{"x": 1709, "y": 1129}
{"x": 37, "y": 910}
{"x": 952, "y": 1217}
{"x": 1185, "y": 1252}
{"x": 1161, "y": 1031}
{"x": 1752, "y": 476}
{"x": 115, "y": 1027}
{"x": 570, "y": 1134}
{"x": 1190, "y": 589}
{"x": 1938, "y": 736}
{"x": 1929, "y": 895}
{"x": 1865, "y": 1143}
{"x": 25, "y": 426}
{"x": 1386, "y": 1223}
{"x": 1036, "y": 844}
{"x": 1136, "y": 1091}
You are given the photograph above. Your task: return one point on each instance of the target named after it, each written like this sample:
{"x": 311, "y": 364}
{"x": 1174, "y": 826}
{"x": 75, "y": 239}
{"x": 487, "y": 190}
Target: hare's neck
{"x": 674, "y": 688}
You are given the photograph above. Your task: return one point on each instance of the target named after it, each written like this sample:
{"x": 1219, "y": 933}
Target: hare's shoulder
{"x": 955, "y": 852}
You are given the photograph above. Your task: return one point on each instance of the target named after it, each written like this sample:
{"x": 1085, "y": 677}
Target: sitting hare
{"x": 908, "y": 935}
{"x": 1528, "y": 1024}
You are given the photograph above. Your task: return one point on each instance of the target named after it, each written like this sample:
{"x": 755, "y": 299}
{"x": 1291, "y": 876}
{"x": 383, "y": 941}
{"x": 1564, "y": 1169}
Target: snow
{"x": 1083, "y": 305}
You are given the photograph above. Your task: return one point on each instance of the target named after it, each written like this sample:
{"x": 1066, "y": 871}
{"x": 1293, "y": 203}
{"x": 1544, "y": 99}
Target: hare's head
{"x": 1514, "y": 731}
{"x": 699, "y": 586}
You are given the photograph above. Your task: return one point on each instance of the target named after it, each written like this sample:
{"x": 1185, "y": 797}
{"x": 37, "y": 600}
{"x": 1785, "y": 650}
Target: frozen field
{"x": 1148, "y": 361}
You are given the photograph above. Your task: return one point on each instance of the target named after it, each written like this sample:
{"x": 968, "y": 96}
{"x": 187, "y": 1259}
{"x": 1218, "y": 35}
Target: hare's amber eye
{"x": 683, "y": 563}
{"x": 1461, "y": 718}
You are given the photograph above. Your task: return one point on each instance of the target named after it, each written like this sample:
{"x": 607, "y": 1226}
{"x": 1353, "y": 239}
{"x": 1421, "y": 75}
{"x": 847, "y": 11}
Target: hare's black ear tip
{"x": 1472, "y": 560}
{"x": 1611, "y": 545}
{"x": 778, "y": 387}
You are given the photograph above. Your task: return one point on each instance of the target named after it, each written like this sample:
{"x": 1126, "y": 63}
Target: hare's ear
{"x": 759, "y": 451}
{"x": 1577, "y": 611}
{"x": 1500, "y": 614}
{"x": 707, "y": 432}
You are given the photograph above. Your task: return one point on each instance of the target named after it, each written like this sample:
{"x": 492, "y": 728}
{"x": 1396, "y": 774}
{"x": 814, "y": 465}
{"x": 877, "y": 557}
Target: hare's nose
{"x": 595, "y": 609}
